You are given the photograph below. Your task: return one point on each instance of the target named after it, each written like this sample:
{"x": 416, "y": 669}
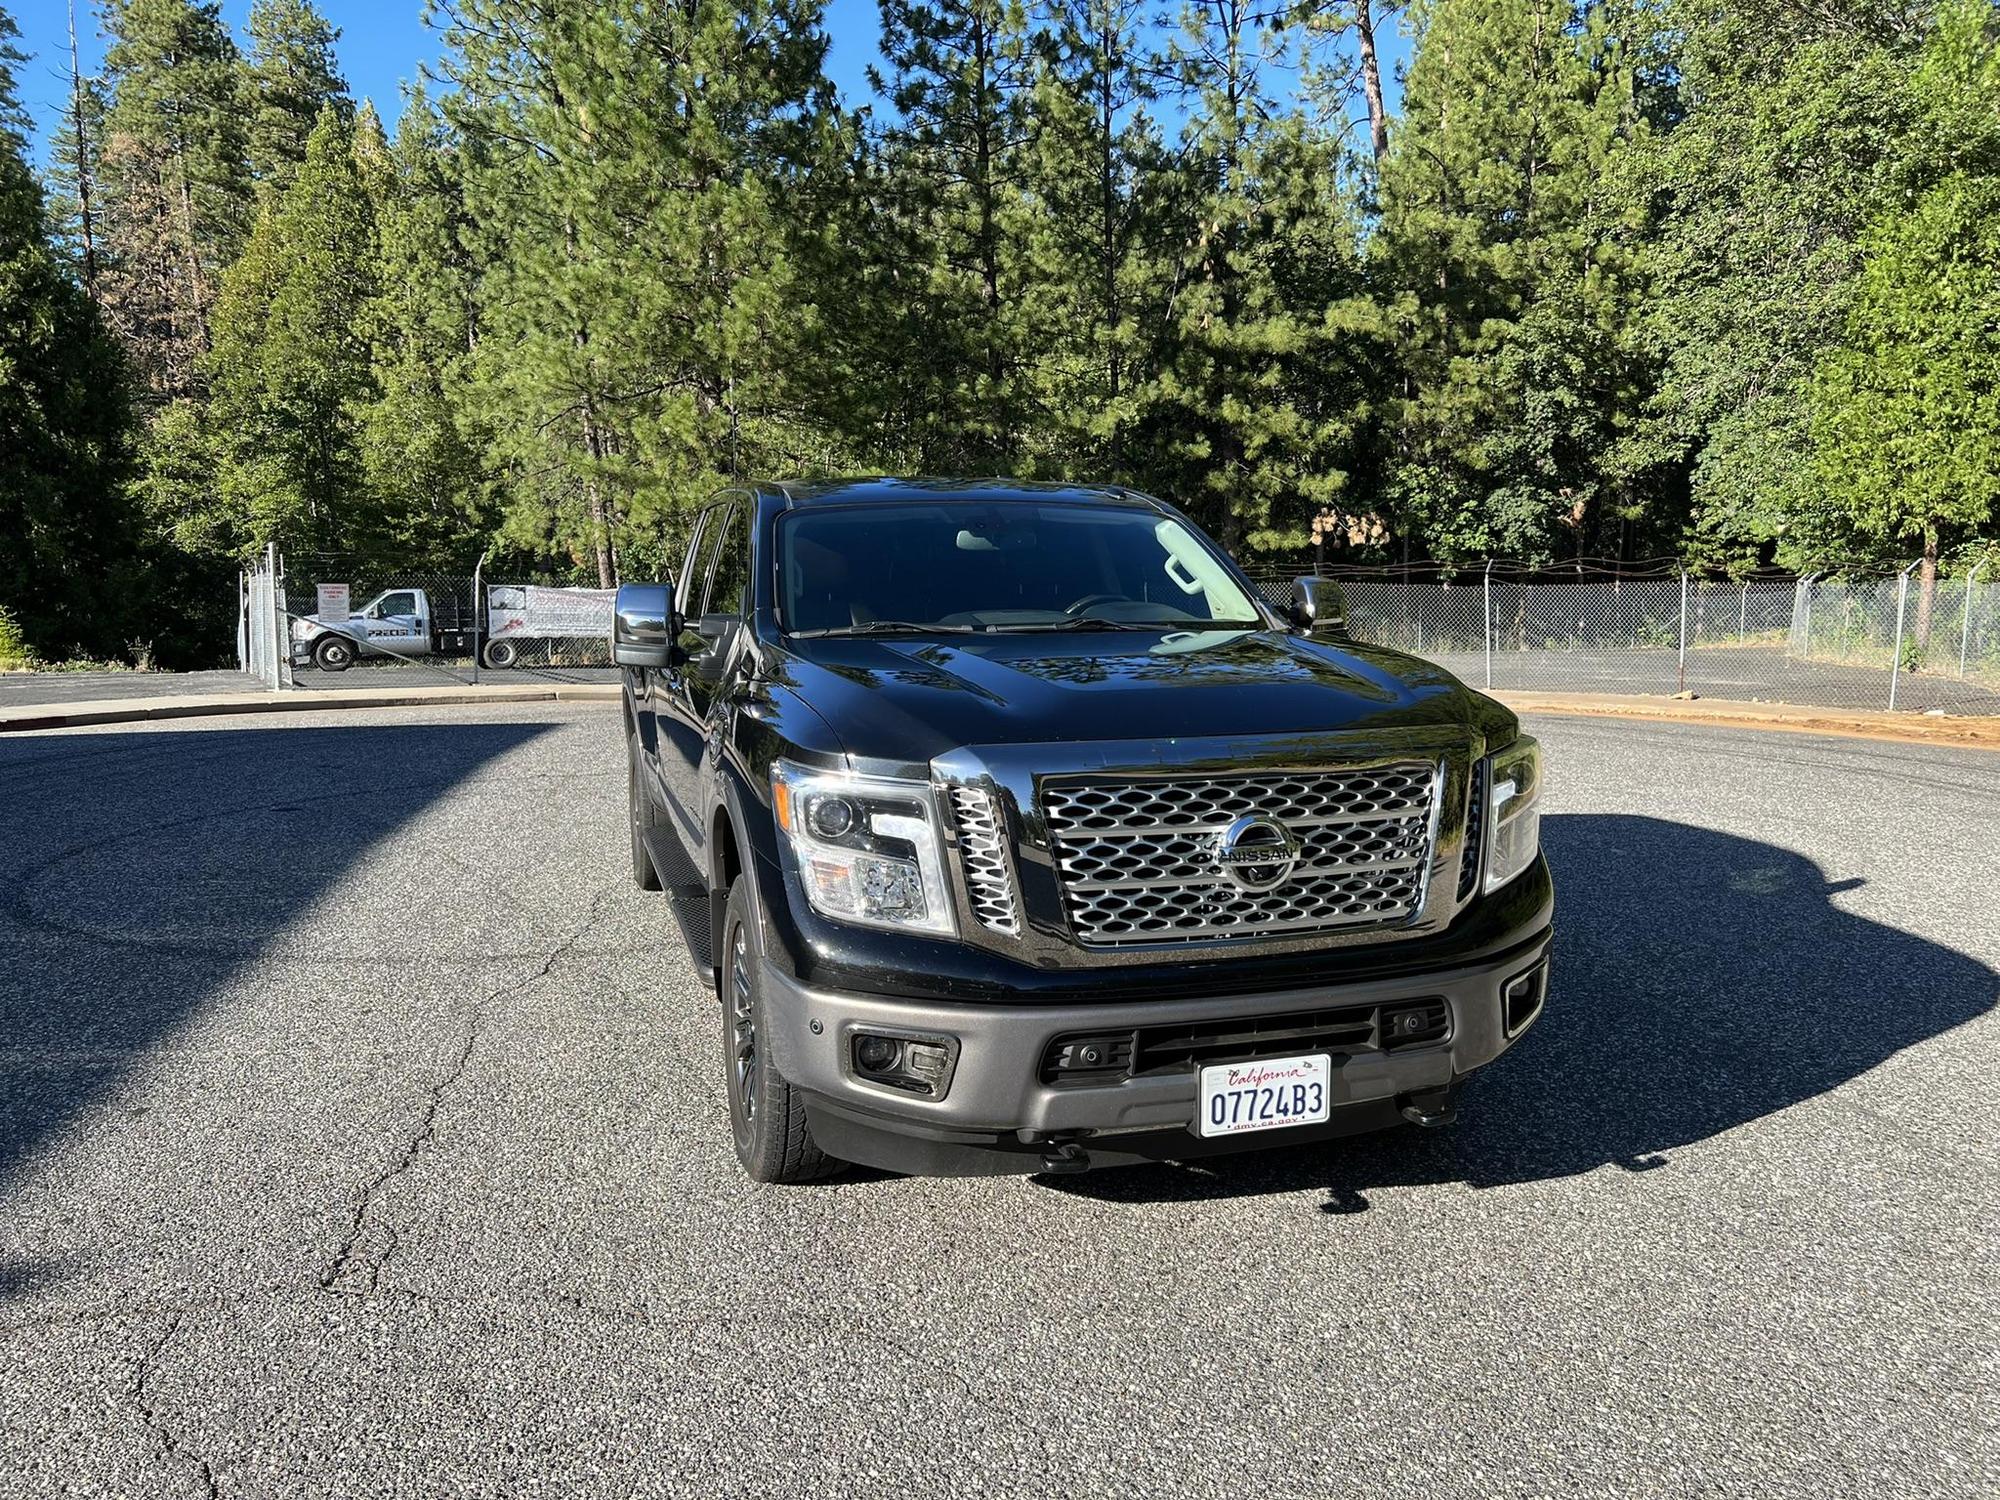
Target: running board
{"x": 687, "y": 896}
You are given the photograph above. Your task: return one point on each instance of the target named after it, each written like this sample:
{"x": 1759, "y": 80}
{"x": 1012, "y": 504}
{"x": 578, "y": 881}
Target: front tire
{"x": 767, "y": 1116}
{"x": 334, "y": 653}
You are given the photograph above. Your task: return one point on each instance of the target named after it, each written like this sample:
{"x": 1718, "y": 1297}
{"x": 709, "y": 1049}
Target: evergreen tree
{"x": 639, "y": 294}
{"x": 291, "y": 369}
{"x": 951, "y": 168}
{"x": 422, "y": 439}
{"x": 175, "y": 183}
{"x": 292, "y": 76}
{"x": 1514, "y": 305}
{"x": 73, "y": 169}
{"x": 1088, "y": 223}
{"x": 1255, "y": 408}
{"x": 68, "y": 568}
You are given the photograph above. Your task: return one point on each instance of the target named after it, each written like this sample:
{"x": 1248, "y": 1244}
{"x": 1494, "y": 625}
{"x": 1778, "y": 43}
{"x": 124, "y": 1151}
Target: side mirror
{"x": 1319, "y": 607}
{"x": 642, "y": 625}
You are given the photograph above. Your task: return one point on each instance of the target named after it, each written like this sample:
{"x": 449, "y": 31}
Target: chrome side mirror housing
{"x": 642, "y": 625}
{"x": 1319, "y": 607}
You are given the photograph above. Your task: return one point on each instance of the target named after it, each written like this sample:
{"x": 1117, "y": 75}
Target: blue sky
{"x": 382, "y": 43}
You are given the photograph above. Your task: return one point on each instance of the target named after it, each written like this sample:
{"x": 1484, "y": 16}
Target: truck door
{"x": 398, "y": 623}
{"x": 713, "y": 625}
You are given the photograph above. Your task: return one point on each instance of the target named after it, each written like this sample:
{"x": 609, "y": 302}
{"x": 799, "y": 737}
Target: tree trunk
{"x": 600, "y": 513}
{"x": 1927, "y": 579}
{"x": 83, "y": 174}
{"x": 1371, "y": 79}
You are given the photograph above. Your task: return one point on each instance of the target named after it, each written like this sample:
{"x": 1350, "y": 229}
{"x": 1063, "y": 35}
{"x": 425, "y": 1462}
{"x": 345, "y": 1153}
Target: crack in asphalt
{"x": 170, "y": 1442}
{"x": 353, "y": 1268}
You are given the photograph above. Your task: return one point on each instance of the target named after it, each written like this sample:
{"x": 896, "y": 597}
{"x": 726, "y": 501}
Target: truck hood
{"x": 910, "y": 700}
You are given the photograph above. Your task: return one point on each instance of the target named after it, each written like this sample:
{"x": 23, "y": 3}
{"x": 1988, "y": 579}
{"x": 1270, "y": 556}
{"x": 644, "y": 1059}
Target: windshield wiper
{"x": 889, "y": 627}
{"x": 1095, "y": 622}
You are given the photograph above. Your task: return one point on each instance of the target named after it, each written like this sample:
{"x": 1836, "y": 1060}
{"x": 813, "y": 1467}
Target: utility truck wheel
{"x": 334, "y": 653}
{"x": 766, "y": 1114}
{"x": 500, "y": 655}
{"x": 644, "y": 818}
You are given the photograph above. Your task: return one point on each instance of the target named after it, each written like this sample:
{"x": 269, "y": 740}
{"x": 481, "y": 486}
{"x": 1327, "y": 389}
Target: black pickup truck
{"x": 1020, "y": 834}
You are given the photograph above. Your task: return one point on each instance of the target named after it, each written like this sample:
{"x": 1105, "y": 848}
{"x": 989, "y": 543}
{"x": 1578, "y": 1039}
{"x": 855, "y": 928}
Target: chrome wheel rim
{"x": 743, "y": 1024}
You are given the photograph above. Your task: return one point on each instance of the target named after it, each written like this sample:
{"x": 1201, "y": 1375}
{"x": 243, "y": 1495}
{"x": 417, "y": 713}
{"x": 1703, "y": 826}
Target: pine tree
{"x": 1515, "y": 309}
{"x": 73, "y": 207}
{"x": 1089, "y": 212}
{"x": 291, "y": 370}
{"x": 67, "y": 568}
{"x": 1254, "y": 412}
{"x": 175, "y": 184}
{"x": 951, "y": 170}
{"x": 422, "y": 439}
{"x": 292, "y": 76}
{"x": 639, "y": 293}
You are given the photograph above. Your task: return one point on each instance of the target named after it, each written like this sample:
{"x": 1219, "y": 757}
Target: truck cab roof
{"x": 862, "y": 491}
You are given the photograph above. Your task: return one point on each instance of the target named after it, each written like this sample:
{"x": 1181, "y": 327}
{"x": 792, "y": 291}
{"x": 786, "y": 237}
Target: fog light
{"x": 913, "y": 1064}
{"x": 1521, "y": 998}
{"x": 876, "y": 1054}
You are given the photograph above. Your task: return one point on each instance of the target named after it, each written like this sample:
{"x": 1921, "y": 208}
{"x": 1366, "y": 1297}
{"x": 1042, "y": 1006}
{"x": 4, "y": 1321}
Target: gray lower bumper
{"x": 996, "y": 1090}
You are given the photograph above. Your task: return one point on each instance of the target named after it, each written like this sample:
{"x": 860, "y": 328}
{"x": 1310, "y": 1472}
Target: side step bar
{"x": 687, "y": 895}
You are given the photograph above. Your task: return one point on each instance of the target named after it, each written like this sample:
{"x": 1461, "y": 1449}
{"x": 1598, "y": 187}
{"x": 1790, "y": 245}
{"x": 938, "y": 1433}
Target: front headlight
{"x": 1513, "y": 811}
{"x": 867, "y": 846}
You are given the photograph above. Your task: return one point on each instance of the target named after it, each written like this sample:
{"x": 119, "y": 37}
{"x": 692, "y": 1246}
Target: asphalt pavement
{"x": 361, "y": 1133}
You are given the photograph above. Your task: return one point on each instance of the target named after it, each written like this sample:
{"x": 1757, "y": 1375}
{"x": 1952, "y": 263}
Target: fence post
{"x": 1682, "y": 688}
{"x": 1896, "y": 651}
{"x": 1486, "y": 623}
{"x": 1965, "y": 630}
{"x": 271, "y": 620}
{"x": 478, "y": 613}
{"x": 1743, "y": 613}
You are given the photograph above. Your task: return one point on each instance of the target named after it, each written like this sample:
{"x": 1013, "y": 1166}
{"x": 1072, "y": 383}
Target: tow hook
{"x": 1065, "y": 1158}
{"x": 1429, "y": 1110}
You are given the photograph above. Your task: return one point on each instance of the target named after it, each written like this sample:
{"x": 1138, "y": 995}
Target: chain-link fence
{"x": 352, "y": 622}
{"x": 1820, "y": 641}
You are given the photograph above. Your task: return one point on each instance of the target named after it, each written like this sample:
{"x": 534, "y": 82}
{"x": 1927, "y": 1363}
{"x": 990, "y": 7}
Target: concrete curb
{"x": 1962, "y": 733}
{"x": 134, "y": 710}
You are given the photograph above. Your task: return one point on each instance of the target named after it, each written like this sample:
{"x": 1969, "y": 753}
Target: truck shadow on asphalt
{"x": 141, "y": 873}
{"x": 1702, "y": 981}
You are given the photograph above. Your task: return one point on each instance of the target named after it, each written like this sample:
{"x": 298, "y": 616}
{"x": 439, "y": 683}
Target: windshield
{"x": 1010, "y": 565}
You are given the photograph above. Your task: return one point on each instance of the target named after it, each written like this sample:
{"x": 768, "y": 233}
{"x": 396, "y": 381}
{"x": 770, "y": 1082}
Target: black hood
{"x": 911, "y": 699}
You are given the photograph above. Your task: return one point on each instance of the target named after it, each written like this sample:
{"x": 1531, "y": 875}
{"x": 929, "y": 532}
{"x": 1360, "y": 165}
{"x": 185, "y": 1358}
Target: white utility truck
{"x": 411, "y": 623}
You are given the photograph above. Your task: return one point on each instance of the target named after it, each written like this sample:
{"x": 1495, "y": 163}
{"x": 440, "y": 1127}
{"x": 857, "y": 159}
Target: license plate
{"x": 1274, "y": 1094}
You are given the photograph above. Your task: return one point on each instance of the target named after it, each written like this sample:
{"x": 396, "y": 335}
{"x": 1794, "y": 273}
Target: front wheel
{"x": 766, "y": 1114}
{"x": 334, "y": 653}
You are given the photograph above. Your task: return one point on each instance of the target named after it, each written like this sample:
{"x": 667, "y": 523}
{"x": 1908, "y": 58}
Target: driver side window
{"x": 694, "y": 584}
{"x": 729, "y": 585}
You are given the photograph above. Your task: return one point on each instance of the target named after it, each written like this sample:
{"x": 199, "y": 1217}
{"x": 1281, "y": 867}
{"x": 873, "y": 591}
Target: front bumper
{"x": 997, "y": 1114}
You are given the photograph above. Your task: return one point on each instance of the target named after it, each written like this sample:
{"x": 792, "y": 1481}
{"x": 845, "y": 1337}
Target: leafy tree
{"x": 291, "y": 77}
{"x": 1513, "y": 305}
{"x": 68, "y": 567}
{"x": 174, "y": 182}
{"x": 1906, "y": 412}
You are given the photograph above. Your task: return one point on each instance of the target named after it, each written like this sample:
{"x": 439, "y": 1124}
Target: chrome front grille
{"x": 1138, "y": 858}
{"x": 989, "y": 883}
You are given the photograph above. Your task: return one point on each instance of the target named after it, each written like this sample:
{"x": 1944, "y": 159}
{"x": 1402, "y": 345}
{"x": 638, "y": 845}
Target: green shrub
{"x": 14, "y": 650}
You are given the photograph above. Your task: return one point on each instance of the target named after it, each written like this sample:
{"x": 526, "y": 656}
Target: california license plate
{"x": 1274, "y": 1094}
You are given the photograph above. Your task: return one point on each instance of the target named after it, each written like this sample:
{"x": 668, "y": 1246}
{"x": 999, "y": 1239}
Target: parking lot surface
{"x": 361, "y": 1133}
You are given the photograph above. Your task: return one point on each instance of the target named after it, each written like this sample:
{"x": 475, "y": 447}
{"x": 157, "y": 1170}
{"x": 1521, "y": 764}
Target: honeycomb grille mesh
{"x": 1137, "y": 858}
{"x": 989, "y": 883}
